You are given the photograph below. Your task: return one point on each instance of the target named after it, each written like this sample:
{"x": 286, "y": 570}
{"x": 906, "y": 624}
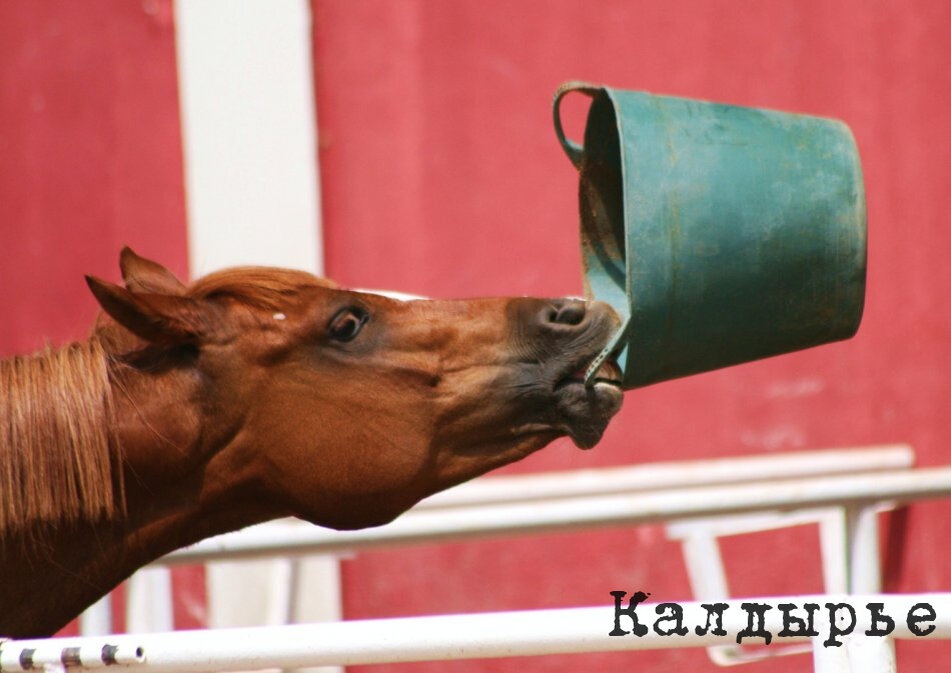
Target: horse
{"x": 255, "y": 393}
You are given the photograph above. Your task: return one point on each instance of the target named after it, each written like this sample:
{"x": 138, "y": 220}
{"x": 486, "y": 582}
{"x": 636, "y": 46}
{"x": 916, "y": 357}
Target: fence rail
{"x": 840, "y": 490}
{"x": 499, "y": 634}
{"x": 544, "y": 503}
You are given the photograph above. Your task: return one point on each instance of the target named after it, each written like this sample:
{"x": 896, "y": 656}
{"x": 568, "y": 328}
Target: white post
{"x": 871, "y": 655}
{"x": 861, "y": 523}
{"x": 149, "y": 601}
{"x": 249, "y": 127}
{"x": 833, "y": 541}
{"x": 96, "y": 620}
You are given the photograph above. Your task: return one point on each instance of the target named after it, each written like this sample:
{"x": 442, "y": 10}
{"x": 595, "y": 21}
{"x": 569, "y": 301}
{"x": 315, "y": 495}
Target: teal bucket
{"x": 720, "y": 234}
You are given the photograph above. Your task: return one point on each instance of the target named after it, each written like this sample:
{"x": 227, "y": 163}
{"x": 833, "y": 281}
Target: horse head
{"x": 340, "y": 407}
{"x": 256, "y": 393}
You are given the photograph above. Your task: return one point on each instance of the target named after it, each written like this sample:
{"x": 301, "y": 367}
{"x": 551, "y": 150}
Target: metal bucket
{"x": 721, "y": 234}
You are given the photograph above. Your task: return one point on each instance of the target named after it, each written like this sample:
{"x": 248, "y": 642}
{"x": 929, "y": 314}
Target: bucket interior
{"x": 601, "y": 204}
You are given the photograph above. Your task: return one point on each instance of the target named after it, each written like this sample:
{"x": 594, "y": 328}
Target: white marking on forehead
{"x": 398, "y": 296}
{"x": 279, "y": 316}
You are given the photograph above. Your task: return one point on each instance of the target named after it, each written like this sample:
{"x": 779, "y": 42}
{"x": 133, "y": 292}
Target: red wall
{"x": 441, "y": 175}
{"x": 90, "y": 160}
{"x": 90, "y": 156}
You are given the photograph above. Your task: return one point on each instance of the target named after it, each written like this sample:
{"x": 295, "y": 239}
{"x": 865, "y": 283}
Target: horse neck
{"x": 183, "y": 482}
{"x": 176, "y": 486}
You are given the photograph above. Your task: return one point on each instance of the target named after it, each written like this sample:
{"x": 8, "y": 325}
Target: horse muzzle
{"x": 573, "y": 333}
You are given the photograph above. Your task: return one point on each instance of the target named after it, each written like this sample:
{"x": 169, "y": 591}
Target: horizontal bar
{"x": 566, "y": 514}
{"x": 674, "y": 474}
{"x": 499, "y": 634}
{"x": 757, "y": 522}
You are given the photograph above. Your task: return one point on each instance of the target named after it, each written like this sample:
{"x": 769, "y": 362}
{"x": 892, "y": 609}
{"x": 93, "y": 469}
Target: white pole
{"x": 862, "y": 536}
{"x": 501, "y": 634}
{"x": 871, "y": 655}
{"x": 830, "y": 660}
{"x": 96, "y": 620}
{"x": 249, "y": 130}
{"x": 866, "y": 655}
{"x": 149, "y": 604}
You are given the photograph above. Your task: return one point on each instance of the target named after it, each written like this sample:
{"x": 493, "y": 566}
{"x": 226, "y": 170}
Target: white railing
{"x": 149, "y": 607}
{"x": 495, "y": 506}
{"x": 500, "y": 634}
{"x": 840, "y": 490}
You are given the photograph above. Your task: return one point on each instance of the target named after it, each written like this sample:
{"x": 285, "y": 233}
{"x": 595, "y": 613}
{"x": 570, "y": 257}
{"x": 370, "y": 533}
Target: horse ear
{"x": 144, "y": 275}
{"x": 157, "y": 318}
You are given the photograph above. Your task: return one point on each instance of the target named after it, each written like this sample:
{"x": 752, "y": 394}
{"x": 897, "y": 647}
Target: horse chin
{"x": 586, "y": 411}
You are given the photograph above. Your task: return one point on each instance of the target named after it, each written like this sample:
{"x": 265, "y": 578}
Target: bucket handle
{"x": 574, "y": 151}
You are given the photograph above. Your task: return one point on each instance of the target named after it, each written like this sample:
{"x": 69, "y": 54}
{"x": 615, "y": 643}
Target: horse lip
{"x": 609, "y": 372}
{"x": 577, "y": 369}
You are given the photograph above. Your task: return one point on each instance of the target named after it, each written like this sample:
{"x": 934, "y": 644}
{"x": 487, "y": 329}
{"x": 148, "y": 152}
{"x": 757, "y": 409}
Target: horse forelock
{"x": 58, "y": 458}
{"x": 261, "y": 287}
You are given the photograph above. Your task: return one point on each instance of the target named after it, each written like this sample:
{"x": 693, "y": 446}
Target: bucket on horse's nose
{"x": 720, "y": 234}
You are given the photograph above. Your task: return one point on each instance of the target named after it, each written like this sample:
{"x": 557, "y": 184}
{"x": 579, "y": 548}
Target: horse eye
{"x": 347, "y": 324}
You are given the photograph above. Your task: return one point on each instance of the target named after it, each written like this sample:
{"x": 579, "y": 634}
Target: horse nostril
{"x": 570, "y": 312}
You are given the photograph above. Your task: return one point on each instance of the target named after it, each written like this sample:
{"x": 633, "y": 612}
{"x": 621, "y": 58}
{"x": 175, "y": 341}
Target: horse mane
{"x": 58, "y": 458}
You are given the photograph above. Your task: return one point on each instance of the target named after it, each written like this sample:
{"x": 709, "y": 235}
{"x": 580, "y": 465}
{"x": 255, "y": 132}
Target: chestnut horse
{"x": 257, "y": 393}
